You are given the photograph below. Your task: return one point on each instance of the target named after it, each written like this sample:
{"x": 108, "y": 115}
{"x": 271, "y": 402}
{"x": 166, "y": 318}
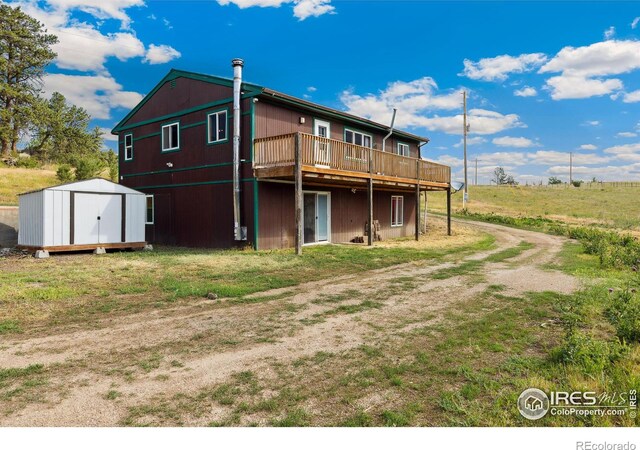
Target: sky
{"x": 544, "y": 79}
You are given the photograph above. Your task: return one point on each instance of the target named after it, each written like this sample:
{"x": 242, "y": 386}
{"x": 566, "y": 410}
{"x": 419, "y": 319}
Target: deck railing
{"x": 277, "y": 151}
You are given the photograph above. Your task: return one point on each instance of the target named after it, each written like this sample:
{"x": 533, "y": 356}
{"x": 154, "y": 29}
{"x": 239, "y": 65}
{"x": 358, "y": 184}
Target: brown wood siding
{"x": 177, "y": 95}
{"x": 274, "y": 120}
{"x": 199, "y": 216}
{"x": 348, "y": 214}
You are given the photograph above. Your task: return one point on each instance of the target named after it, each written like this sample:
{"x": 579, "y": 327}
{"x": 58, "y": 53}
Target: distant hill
{"x": 14, "y": 181}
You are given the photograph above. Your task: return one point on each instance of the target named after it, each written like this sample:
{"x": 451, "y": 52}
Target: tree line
{"x": 49, "y": 130}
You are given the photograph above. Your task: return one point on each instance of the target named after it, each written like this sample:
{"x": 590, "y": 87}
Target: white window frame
{"x": 397, "y": 221}
{"x": 217, "y": 118}
{"x": 402, "y": 152}
{"x": 146, "y": 210}
{"x": 128, "y": 147}
{"x": 177, "y": 144}
{"x": 363, "y": 156}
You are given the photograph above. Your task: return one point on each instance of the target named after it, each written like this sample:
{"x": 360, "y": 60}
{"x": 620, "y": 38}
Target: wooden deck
{"x": 302, "y": 157}
{"x": 333, "y": 162}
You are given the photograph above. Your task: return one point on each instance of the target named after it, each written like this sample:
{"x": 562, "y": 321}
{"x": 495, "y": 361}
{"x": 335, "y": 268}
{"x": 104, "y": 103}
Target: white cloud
{"x": 476, "y": 140}
{"x": 573, "y": 87}
{"x": 160, "y": 54}
{"x": 609, "y": 33}
{"x": 97, "y": 94}
{"x": 517, "y": 142}
{"x": 302, "y": 9}
{"x": 449, "y": 160}
{"x": 588, "y": 147}
{"x": 526, "y": 91}
{"x": 544, "y": 157}
{"x": 626, "y": 134}
{"x": 503, "y": 159}
{"x": 101, "y": 9}
{"x": 584, "y": 70}
{"x": 593, "y": 123}
{"x": 312, "y": 89}
{"x": 499, "y": 67}
{"x": 631, "y": 97}
{"x": 634, "y": 24}
{"x": 107, "y": 136}
{"x": 626, "y": 152}
{"x": 312, "y": 8}
{"x": 83, "y": 46}
{"x": 417, "y": 101}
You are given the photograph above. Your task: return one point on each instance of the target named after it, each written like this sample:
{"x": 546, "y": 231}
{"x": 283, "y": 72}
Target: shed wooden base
{"x": 74, "y": 248}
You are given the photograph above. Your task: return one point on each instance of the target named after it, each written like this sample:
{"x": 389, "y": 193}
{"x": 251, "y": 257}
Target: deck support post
{"x": 298, "y": 194}
{"x": 370, "y": 199}
{"x": 417, "y": 200}
{"x": 449, "y": 211}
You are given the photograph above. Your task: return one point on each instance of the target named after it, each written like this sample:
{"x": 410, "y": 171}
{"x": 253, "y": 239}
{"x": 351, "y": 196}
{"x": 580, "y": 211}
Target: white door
{"x": 322, "y": 151}
{"x": 316, "y": 217}
{"x": 97, "y": 218}
{"x": 110, "y": 222}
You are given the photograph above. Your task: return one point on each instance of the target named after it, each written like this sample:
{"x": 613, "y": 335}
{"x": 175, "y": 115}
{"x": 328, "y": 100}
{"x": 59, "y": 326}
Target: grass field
{"x": 14, "y": 181}
{"x": 615, "y": 206}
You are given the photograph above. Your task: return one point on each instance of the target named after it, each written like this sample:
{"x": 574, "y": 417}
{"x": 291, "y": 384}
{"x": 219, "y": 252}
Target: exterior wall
{"x": 57, "y": 217}
{"x": 31, "y": 228}
{"x": 193, "y": 198}
{"x": 273, "y": 120}
{"x": 348, "y": 214}
{"x": 9, "y": 219}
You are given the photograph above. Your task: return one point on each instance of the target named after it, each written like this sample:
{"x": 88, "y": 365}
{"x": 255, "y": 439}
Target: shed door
{"x": 97, "y": 218}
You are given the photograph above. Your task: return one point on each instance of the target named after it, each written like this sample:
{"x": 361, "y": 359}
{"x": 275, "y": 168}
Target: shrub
{"x": 592, "y": 355}
{"x": 88, "y": 166}
{"x": 576, "y": 183}
{"x": 64, "y": 173}
{"x": 624, "y": 313}
{"x": 27, "y": 163}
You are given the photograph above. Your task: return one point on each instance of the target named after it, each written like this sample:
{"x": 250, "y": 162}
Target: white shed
{"x": 82, "y": 215}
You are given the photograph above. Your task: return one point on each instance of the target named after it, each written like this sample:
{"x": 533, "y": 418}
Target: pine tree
{"x": 25, "y": 51}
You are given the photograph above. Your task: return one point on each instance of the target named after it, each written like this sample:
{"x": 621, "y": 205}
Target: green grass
{"x": 16, "y": 181}
{"x": 618, "y": 206}
{"x": 77, "y": 288}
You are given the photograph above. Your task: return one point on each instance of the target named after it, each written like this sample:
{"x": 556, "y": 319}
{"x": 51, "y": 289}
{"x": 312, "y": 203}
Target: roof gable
{"x": 175, "y": 74}
{"x": 91, "y": 185}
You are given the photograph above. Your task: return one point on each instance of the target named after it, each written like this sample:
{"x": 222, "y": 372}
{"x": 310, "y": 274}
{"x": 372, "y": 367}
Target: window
{"x": 359, "y": 139}
{"x": 150, "y": 210}
{"x": 397, "y": 210}
{"x": 128, "y": 147}
{"x": 355, "y": 137}
{"x": 402, "y": 149}
{"x": 217, "y": 126}
{"x": 170, "y": 137}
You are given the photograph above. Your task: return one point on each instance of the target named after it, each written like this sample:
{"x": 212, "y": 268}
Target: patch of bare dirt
{"x": 374, "y": 304}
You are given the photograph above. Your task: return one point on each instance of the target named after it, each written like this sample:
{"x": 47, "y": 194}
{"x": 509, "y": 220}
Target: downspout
{"x": 393, "y": 119}
{"x": 239, "y": 233}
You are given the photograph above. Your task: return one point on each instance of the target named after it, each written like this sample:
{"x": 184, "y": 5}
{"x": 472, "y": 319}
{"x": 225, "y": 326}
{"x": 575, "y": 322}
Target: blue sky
{"x": 544, "y": 78}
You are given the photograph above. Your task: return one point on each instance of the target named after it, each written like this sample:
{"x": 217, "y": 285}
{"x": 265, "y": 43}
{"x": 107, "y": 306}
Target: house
{"x": 227, "y": 163}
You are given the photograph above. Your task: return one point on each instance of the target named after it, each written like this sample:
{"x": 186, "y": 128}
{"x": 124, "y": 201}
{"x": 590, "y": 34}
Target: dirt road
{"x": 93, "y": 377}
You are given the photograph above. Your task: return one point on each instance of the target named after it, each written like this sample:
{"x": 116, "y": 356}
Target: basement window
{"x": 128, "y": 147}
{"x": 397, "y": 210}
{"x": 170, "y": 137}
{"x": 217, "y": 127}
{"x": 402, "y": 149}
{"x": 150, "y": 210}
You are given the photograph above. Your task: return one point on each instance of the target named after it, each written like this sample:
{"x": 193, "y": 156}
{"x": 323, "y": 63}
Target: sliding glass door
{"x": 316, "y": 217}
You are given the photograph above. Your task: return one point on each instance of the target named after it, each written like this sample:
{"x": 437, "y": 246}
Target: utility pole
{"x": 570, "y": 167}
{"x": 465, "y": 129}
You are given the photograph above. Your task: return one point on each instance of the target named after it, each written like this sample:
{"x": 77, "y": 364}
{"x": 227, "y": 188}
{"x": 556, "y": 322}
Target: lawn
{"x": 612, "y": 205}
{"x": 14, "y": 181}
{"x": 78, "y": 288}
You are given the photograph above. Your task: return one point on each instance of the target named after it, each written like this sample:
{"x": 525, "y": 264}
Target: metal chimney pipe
{"x": 393, "y": 120}
{"x": 238, "y": 233}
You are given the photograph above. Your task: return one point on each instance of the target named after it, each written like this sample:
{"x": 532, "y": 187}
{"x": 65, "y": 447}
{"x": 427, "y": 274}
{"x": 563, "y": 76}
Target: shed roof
{"x": 264, "y": 92}
{"x": 91, "y": 185}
